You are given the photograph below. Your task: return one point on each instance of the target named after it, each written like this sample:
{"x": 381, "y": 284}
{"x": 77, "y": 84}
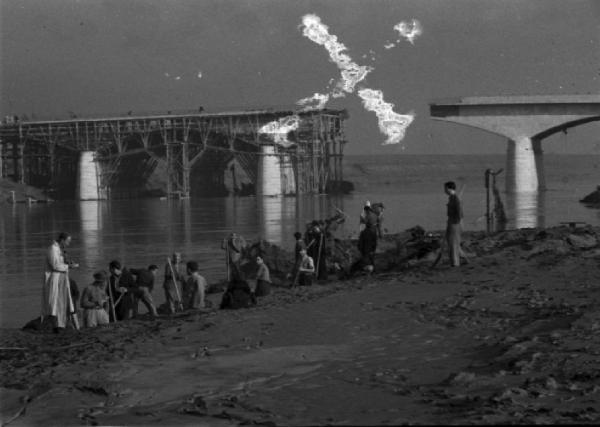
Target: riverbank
{"x": 14, "y": 192}
{"x": 512, "y": 337}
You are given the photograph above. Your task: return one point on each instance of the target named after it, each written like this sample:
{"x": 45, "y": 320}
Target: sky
{"x": 108, "y": 57}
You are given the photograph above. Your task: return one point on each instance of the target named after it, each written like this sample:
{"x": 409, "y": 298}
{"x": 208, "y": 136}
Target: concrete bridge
{"x": 525, "y": 121}
{"x": 193, "y": 149}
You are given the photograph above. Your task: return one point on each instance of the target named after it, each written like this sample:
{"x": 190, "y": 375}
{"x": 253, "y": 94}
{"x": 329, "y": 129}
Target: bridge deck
{"x": 519, "y": 99}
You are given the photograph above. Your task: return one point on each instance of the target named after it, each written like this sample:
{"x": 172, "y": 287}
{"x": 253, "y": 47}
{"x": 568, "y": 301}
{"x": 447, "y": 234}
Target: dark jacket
{"x": 455, "y": 212}
{"x": 125, "y": 280}
{"x": 143, "y": 278}
{"x": 238, "y": 295}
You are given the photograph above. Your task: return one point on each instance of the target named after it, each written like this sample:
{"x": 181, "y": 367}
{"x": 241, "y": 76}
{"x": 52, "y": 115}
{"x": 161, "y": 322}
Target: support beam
{"x": 521, "y": 171}
{"x": 178, "y": 170}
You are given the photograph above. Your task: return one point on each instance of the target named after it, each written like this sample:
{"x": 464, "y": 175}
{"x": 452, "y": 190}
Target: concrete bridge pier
{"x": 521, "y": 170}
{"x": 275, "y": 173}
{"x": 288, "y": 179}
{"x": 88, "y": 178}
{"x": 269, "y": 174}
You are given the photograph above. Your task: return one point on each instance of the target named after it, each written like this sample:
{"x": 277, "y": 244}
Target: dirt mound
{"x": 593, "y": 198}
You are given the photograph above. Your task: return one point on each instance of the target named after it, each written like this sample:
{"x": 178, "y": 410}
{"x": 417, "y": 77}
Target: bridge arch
{"x": 564, "y": 126}
{"x": 525, "y": 121}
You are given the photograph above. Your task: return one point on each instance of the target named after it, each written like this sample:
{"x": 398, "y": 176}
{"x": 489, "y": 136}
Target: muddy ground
{"x": 512, "y": 337}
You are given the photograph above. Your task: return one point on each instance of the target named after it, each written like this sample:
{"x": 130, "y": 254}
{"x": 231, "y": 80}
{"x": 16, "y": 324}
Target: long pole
{"x": 175, "y": 283}
{"x": 71, "y": 305}
{"x": 227, "y": 261}
{"x": 319, "y": 254}
{"x": 487, "y": 201}
{"x": 112, "y": 302}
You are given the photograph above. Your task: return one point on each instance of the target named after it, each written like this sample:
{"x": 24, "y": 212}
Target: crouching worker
{"x": 263, "y": 278}
{"x": 306, "y": 270}
{"x": 238, "y": 294}
{"x": 195, "y": 287}
{"x": 95, "y": 302}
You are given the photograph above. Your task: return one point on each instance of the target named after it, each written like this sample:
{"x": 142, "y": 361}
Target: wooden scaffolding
{"x": 30, "y": 148}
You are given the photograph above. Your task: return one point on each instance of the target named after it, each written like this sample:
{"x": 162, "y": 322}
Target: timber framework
{"x": 192, "y": 149}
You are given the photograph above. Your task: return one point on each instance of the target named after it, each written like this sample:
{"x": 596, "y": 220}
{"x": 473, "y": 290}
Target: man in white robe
{"x": 56, "y": 295}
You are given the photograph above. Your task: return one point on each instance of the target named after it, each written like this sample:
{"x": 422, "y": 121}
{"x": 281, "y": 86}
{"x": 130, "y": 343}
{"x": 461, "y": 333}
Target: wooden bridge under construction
{"x": 176, "y": 154}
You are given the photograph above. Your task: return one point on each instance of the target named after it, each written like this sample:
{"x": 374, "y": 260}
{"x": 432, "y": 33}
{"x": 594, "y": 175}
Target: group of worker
{"x": 372, "y": 218}
{"x": 116, "y": 296}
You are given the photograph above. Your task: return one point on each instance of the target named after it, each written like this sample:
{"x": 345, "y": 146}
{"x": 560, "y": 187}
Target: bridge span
{"x": 221, "y": 153}
{"x": 525, "y": 121}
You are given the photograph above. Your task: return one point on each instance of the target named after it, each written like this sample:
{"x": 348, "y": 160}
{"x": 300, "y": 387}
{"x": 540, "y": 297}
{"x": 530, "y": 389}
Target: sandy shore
{"x": 512, "y": 337}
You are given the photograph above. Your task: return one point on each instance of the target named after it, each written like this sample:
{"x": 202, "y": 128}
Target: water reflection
{"x": 91, "y": 213}
{"x": 270, "y": 217}
{"x": 526, "y": 208}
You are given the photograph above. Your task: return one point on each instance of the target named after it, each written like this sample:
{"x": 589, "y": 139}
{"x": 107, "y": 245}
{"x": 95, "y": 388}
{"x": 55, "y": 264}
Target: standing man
{"x": 233, "y": 245}
{"x": 367, "y": 240}
{"x": 453, "y": 227}
{"x": 195, "y": 287}
{"x": 172, "y": 284}
{"x": 378, "y": 209}
{"x": 315, "y": 248}
{"x": 142, "y": 290}
{"x": 56, "y": 294}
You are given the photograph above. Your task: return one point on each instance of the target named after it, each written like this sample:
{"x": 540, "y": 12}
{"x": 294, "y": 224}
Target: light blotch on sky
{"x": 315, "y": 102}
{"x": 352, "y": 73}
{"x": 390, "y": 123}
{"x": 199, "y": 74}
{"x": 409, "y": 30}
{"x": 279, "y": 129}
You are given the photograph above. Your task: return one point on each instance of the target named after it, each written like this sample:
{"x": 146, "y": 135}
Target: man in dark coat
{"x": 238, "y": 294}
{"x": 120, "y": 283}
{"x": 454, "y": 224}
{"x": 142, "y": 290}
{"x": 367, "y": 240}
{"x": 315, "y": 248}
{"x": 234, "y": 244}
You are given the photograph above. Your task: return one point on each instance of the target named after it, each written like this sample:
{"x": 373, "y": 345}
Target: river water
{"x": 145, "y": 231}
